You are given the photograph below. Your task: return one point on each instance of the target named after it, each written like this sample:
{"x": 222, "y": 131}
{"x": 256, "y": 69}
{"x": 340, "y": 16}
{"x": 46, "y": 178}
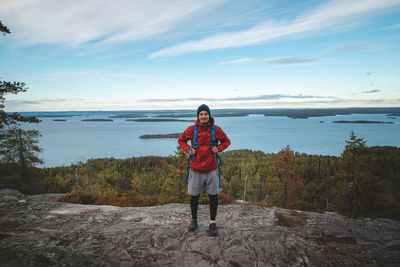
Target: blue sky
{"x": 178, "y": 54}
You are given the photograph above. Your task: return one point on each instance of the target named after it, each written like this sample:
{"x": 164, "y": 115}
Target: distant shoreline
{"x": 361, "y": 121}
{"x": 97, "y": 120}
{"x": 152, "y": 115}
{"x": 126, "y": 116}
{"x": 53, "y": 116}
{"x": 152, "y": 136}
{"x": 159, "y": 120}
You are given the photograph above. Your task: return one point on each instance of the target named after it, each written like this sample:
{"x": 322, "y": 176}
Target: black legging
{"x": 213, "y": 206}
{"x": 194, "y": 203}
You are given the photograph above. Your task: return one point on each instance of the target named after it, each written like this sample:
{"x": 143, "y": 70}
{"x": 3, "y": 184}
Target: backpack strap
{"x": 219, "y": 170}
{"x": 188, "y": 169}
{"x": 194, "y": 145}
{"x": 213, "y": 141}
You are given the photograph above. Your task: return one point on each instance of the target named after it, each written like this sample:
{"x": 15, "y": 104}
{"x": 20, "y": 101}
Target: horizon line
{"x": 183, "y": 109}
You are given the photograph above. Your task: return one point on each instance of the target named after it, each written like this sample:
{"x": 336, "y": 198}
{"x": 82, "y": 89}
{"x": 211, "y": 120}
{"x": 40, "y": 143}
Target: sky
{"x": 178, "y": 54}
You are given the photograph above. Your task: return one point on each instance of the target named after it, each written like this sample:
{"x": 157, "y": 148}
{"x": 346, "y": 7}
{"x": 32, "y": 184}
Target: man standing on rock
{"x": 204, "y": 163}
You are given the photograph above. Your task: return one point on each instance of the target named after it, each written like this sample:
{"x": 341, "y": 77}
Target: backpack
{"x": 195, "y": 145}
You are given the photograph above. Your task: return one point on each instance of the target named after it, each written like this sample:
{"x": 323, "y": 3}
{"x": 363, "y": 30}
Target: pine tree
{"x": 173, "y": 187}
{"x": 357, "y": 185}
{"x": 287, "y": 169}
{"x": 19, "y": 146}
{"x": 16, "y": 145}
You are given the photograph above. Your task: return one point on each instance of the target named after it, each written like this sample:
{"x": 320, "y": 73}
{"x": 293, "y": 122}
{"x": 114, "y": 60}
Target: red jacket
{"x": 204, "y": 157}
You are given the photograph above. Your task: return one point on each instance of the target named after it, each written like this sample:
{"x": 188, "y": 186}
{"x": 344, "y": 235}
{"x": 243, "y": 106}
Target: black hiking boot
{"x": 212, "y": 229}
{"x": 193, "y": 226}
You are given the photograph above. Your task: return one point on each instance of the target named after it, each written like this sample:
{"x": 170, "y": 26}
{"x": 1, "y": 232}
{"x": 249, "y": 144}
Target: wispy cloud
{"x": 395, "y": 101}
{"x": 278, "y": 100}
{"x": 290, "y": 60}
{"x": 351, "y": 48}
{"x": 77, "y": 76}
{"x": 369, "y": 73}
{"x": 371, "y": 91}
{"x": 235, "y": 61}
{"x": 239, "y": 98}
{"x": 322, "y": 103}
{"x": 64, "y": 104}
{"x": 34, "y": 102}
{"x": 78, "y": 23}
{"x": 396, "y": 26}
{"x": 103, "y": 23}
{"x": 332, "y": 14}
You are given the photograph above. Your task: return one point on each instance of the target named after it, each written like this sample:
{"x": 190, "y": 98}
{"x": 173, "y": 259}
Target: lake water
{"x": 73, "y": 140}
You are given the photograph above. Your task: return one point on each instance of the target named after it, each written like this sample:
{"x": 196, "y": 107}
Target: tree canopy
{"x": 17, "y": 146}
{"x": 4, "y": 29}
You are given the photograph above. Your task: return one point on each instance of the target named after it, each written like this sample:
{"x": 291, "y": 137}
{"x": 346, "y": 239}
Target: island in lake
{"x": 158, "y": 120}
{"x": 97, "y": 120}
{"x": 363, "y": 122}
{"x": 124, "y": 116}
{"x": 59, "y": 120}
{"x": 151, "y": 136}
{"x": 322, "y": 112}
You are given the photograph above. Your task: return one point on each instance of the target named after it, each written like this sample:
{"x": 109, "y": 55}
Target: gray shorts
{"x": 199, "y": 179}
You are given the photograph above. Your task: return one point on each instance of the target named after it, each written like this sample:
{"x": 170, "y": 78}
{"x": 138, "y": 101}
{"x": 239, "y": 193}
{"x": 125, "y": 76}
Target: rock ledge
{"x": 36, "y": 231}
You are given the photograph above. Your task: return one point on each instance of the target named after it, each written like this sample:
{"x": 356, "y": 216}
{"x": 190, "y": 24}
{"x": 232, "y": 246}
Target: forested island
{"x": 362, "y": 121}
{"x": 306, "y": 113}
{"x": 59, "y": 120}
{"x": 151, "y": 136}
{"x": 159, "y": 120}
{"x": 124, "y": 116}
{"x": 97, "y": 120}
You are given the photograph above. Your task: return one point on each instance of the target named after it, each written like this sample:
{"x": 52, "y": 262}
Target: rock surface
{"x": 36, "y": 231}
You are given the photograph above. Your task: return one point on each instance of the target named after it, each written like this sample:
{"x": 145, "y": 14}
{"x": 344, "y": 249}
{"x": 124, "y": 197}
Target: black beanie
{"x": 203, "y": 107}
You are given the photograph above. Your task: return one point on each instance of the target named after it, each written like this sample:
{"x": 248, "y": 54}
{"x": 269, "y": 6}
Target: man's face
{"x": 204, "y": 117}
